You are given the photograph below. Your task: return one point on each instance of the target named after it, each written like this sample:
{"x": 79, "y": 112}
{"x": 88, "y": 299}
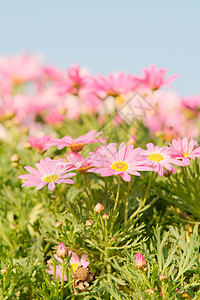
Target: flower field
{"x": 99, "y": 184}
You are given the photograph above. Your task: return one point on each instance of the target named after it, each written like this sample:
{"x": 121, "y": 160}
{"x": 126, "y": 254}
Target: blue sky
{"x": 108, "y": 35}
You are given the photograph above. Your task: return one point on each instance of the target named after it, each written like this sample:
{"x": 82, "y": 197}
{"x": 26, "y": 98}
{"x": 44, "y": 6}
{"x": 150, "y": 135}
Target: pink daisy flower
{"x": 154, "y": 78}
{"x": 159, "y": 158}
{"x": 39, "y": 142}
{"x": 48, "y": 173}
{"x": 77, "y": 161}
{"x": 77, "y": 144}
{"x": 113, "y": 85}
{"x": 108, "y": 161}
{"x": 58, "y": 273}
{"x": 74, "y": 80}
{"x": 184, "y": 149}
{"x": 75, "y": 262}
{"x": 20, "y": 68}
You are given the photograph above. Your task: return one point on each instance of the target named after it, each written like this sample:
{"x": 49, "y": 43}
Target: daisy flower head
{"x": 184, "y": 149}
{"x": 76, "y": 144}
{"x": 160, "y": 158}
{"x": 39, "y": 142}
{"x": 108, "y": 161}
{"x": 154, "y": 78}
{"x": 48, "y": 172}
{"x": 77, "y": 161}
{"x": 75, "y": 261}
{"x": 112, "y": 85}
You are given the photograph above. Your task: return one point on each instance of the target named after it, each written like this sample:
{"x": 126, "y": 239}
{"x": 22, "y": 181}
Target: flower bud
{"x": 61, "y": 251}
{"x": 58, "y": 224}
{"x": 99, "y": 208}
{"x": 163, "y": 277}
{"x": 140, "y": 261}
{"x": 105, "y": 216}
{"x": 18, "y": 294}
{"x": 89, "y": 223}
{"x": 27, "y": 145}
{"x": 14, "y": 158}
{"x": 167, "y": 173}
{"x": 150, "y": 291}
{"x": 3, "y": 271}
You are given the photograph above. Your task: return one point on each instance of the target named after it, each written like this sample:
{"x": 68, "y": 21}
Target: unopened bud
{"x": 61, "y": 251}
{"x": 150, "y": 291}
{"x": 18, "y": 294}
{"x": 163, "y": 277}
{"x": 3, "y": 271}
{"x": 105, "y": 216}
{"x": 89, "y": 223}
{"x": 27, "y": 145}
{"x": 167, "y": 173}
{"x": 140, "y": 261}
{"x": 58, "y": 224}
{"x": 14, "y": 160}
{"x": 99, "y": 208}
{"x": 50, "y": 261}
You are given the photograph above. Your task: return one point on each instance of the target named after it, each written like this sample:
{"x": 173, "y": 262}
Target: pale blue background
{"x": 108, "y": 35}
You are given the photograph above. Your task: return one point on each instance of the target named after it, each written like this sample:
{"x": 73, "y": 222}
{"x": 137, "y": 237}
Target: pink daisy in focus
{"x": 48, "y": 173}
{"x": 108, "y": 161}
{"x": 159, "y": 158}
{"x": 184, "y": 149}
{"x": 154, "y": 78}
{"x": 39, "y": 142}
{"x": 77, "y": 144}
{"x": 75, "y": 262}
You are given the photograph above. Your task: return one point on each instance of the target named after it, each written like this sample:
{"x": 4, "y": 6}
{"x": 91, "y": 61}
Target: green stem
{"x": 171, "y": 182}
{"x": 67, "y": 205}
{"x": 108, "y": 266}
{"x": 146, "y": 279}
{"x": 185, "y": 174}
{"x": 62, "y": 282}
{"x": 196, "y": 165}
{"x": 117, "y": 196}
{"x": 126, "y": 205}
{"x": 142, "y": 203}
{"x": 90, "y": 188}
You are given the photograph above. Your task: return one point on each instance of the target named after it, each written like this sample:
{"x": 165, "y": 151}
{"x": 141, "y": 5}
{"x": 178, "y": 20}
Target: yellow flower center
{"x": 120, "y": 100}
{"x": 76, "y": 147}
{"x": 156, "y": 157}
{"x": 50, "y": 178}
{"x": 120, "y": 166}
{"x": 83, "y": 170}
{"x": 74, "y": 267}
{"x": 186, "y": 154}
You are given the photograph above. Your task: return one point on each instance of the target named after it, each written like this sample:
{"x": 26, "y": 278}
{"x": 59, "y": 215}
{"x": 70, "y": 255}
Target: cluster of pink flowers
{"x": 75, "y": 261}
{"x": 108, "y": 161}
{"x": 48, "y": 95}
{"x": 50, "y": 172}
